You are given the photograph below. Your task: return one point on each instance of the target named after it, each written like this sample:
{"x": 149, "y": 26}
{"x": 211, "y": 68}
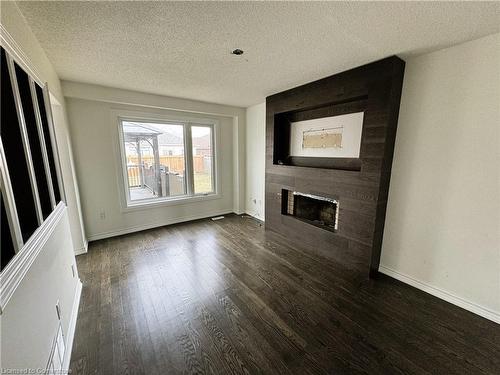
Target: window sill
{"x": 157, "y": 203}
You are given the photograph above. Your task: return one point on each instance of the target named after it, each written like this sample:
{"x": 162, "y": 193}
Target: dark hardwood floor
{"x": 227, "y": 297}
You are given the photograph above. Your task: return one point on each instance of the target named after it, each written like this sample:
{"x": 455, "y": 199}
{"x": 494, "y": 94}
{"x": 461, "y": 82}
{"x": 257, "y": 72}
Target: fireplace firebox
{"x": 322, "y": 212}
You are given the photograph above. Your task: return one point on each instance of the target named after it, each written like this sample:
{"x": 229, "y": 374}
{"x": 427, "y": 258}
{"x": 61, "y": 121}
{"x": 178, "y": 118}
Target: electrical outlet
{"x": 102, "y": 214}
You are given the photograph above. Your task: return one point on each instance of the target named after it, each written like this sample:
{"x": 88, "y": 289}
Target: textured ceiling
{"x": 183, "y": 49}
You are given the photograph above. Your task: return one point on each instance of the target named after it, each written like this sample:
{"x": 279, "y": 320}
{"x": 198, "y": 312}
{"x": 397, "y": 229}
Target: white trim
{"x": 188, "y": 159}
{"x": 53, "y": 141}
{"x": 71, "y": 329}
{"x": 9, "y": 202}
{"x": 443, "y": 294}
{"x": 80, "y": 251}
{"x": 138, "y": 228}
{"x": 147, "y": 204}
{"x": 43, "y": 145}
{"x": 13, "y": 49}
{"x": 83, "y": 249}
{"x": 18, "y": 267}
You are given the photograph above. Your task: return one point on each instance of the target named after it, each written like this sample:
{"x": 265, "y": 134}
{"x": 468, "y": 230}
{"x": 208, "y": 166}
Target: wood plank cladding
{"x": 360, "y": 185}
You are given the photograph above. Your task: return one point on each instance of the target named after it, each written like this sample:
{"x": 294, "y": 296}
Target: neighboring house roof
{"x": 202, "y": 142}
{"x": 169, "y": 139}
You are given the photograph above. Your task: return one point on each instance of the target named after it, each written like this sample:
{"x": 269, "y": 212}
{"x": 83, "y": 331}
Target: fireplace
{"x": 322, "y": 212}
{"x": 360, "y": 182}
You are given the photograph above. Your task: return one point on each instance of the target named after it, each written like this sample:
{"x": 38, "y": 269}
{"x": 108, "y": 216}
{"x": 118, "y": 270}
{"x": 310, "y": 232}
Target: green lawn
{"x": 202, "y": 183}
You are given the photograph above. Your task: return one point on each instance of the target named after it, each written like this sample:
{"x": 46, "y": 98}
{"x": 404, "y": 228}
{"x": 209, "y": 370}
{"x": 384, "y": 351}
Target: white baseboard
{"x": 83, "y": 249}
{"x": 444, "y": 295}
{"x": 70, "y": 335}
{"x": 138, "y": 228}
{"x": 80, "y": 251}
{"x": 254, "y": 215}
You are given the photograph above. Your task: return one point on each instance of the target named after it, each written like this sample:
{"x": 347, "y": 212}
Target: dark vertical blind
{"x": 15, "y": 156}
{"x": 34, "y": 141}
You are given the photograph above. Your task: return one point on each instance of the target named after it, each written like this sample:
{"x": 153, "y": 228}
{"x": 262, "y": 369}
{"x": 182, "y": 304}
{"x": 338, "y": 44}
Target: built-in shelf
{"x": 282, "y": 133}
{"x": 346, "y": 164}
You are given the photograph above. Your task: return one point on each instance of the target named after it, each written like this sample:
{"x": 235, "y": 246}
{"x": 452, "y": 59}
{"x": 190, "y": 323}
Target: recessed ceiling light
{"x": 237, "y": 52}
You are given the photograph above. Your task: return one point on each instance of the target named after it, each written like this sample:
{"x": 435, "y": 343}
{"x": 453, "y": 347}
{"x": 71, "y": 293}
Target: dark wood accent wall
{"x": 360, "y": 185}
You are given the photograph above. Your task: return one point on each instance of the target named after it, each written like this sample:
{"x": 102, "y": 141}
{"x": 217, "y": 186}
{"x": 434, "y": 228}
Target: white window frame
{"x": 187, "y": 121}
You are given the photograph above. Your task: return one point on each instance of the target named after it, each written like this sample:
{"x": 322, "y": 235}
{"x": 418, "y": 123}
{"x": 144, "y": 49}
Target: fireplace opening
{"x": 319, "y": 211}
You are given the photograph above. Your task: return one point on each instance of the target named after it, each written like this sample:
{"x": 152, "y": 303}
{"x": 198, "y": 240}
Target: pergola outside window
{"x": 167, "y": 160}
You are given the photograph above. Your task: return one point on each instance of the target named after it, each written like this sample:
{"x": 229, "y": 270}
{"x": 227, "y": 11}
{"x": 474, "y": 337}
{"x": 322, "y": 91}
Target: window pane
{"x": 155, "y": 159}
{"x": 6, "y": 246}
{"x": 202, "y": 159}
{"x": 48, "y": 143}
{"x": 15, "y": 156}
{"x": 34, "y": 140}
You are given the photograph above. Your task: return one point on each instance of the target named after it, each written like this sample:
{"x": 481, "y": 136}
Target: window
{"x": 166, "y": 160}
{"x": 34, "y": 141}
{"x": 202, "y": 159}
{"x": 15, "y": 156}
{"x": 29, "y": 185}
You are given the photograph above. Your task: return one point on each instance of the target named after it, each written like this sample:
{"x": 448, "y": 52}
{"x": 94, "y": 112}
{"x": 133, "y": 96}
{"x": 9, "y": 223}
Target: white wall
{"x": 442, "y": 230}
{"x": 92, "y": 112}
{"x": 255, "y": 160}
{"x": 443, "y": 226}
{"x": 70, "y": 182}
{"x": 29, "y": 320}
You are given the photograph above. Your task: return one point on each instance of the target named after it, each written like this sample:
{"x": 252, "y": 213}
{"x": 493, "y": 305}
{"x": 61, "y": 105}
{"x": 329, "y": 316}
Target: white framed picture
{"x": 330, "y": 137}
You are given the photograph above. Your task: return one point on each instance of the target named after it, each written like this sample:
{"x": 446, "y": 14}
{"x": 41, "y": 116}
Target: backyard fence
{"x": 134, "y": 175}
{"x": 171, "y": 173}
{"x": 173, "y": 162}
